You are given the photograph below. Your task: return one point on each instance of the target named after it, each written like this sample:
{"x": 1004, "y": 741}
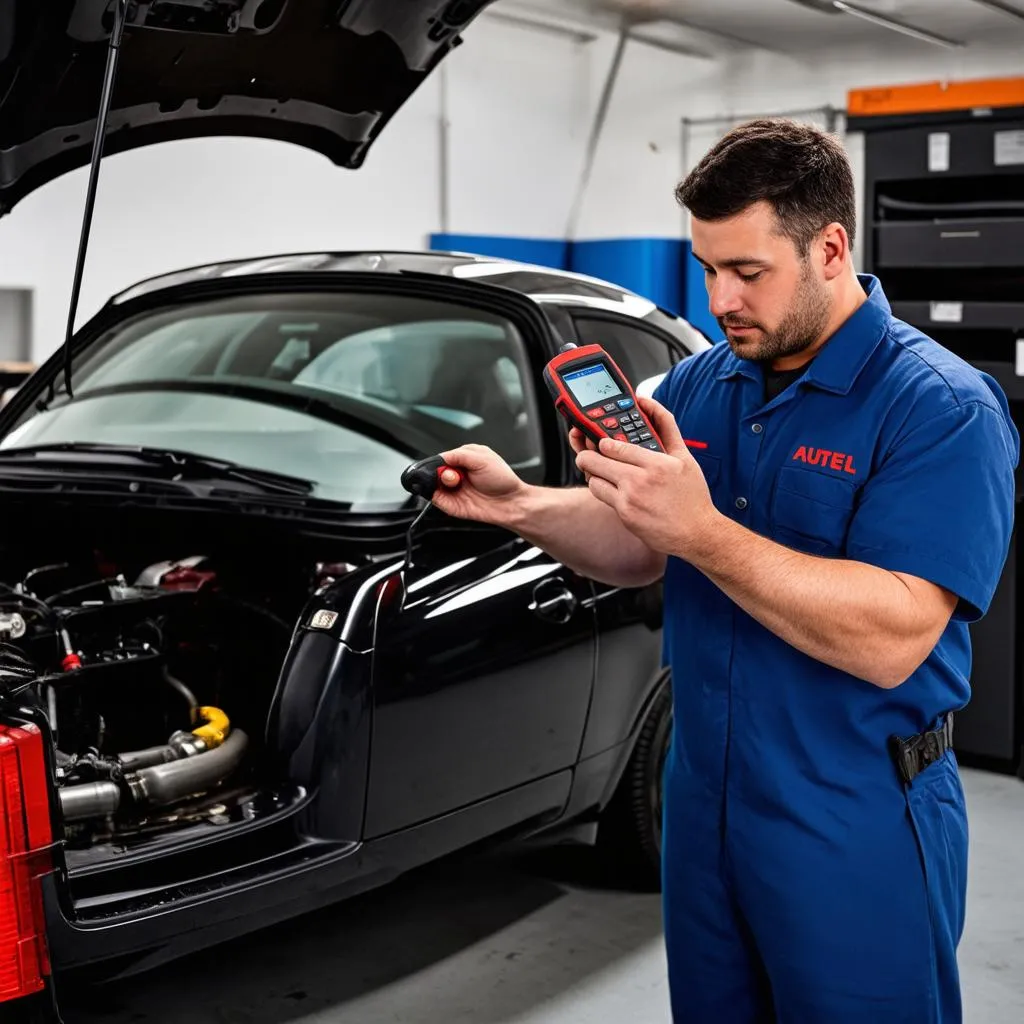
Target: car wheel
{"x": 630, "y": 831}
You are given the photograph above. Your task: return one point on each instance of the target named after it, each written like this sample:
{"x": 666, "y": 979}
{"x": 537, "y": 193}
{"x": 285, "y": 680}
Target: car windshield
{"x": 343, "y": 390}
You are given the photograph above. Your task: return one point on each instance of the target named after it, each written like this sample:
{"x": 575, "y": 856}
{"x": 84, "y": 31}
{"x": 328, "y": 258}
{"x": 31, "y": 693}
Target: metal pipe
{"x": 595, "y": 134}
{"x": 829, "y": 111}
{"x": 893, "y": 25}
{"x": 1003, "y": 7}
{"x": 443, "y": 151}
{"x": 89, "y": 800}
{"x": 109, "y": 76}
{"x": 167, "y": 783}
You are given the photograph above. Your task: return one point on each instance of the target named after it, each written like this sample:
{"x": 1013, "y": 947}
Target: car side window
{"x": 465, "y": 374}
{"x": 639, "y": 353}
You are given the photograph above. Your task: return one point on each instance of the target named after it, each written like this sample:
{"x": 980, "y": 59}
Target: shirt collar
{"x": 840, "y": 360}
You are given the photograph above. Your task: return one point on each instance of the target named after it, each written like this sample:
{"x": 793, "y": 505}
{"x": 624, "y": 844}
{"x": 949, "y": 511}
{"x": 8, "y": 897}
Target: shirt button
{"x": 741, "y": 503}
{"x": 757, "y": 428}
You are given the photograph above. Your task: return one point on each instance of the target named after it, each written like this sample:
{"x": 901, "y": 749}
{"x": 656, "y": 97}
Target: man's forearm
{"x": 855, "y": 617}
{"x": 571, "y": 525}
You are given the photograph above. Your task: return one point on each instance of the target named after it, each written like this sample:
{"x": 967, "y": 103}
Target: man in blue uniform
{"x": 845, "y": 513}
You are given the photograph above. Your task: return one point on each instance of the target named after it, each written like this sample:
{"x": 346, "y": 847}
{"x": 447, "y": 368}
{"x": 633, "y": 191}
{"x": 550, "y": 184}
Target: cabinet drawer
{"x": 951, "y": 243}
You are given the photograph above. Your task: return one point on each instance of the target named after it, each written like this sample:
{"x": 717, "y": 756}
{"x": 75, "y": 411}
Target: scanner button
{"x": 620, "y": 437}
{"x": 609, "y": 407}
{"x": 629, "y": 426}
{"x": 645, "y": 435}
{"x": 634, "y": 439}
{"x": 625, "y": 403}
{"x": 611, "y": 421}
{"x": 636, "y": 417}
{"x": 596, "y": 414}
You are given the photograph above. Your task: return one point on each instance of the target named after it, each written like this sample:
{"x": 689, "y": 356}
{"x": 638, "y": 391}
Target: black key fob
{"x": 421, "y": 478}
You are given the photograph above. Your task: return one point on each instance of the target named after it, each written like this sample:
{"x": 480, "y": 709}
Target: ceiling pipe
{"x": 897, "y": 26}
{"x": 883, "y": 20}
{"x": 1003, "y": 7}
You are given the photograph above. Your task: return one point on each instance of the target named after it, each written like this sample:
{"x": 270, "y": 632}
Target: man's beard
{"x": 802, "y": 326}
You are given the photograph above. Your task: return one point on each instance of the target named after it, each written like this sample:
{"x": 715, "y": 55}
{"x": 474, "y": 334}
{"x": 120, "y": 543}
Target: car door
{"x": 482, "y": 680}
{"x": 484, "y": 663}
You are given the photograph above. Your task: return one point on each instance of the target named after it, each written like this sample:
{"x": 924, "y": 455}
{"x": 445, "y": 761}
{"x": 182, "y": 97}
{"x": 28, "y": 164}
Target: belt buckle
{"x": 903, "y": 753}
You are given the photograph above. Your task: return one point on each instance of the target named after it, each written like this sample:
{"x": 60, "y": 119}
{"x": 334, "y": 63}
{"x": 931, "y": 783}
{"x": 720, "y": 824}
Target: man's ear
{"x": 835, "y": 248}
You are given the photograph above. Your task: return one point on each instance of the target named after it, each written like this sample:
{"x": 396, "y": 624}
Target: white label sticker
{"x": 938, "y": 151}
{"x": 947, "y": 312}
{"x": 1020, "y": 357}
{"x": 1009, "y": 148}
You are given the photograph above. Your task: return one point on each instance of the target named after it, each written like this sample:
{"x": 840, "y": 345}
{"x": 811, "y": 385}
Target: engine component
{"x": 12, "y": 626}
{"x": 89, "y": 800}
{"x": 184, "y": 574}
{"x": 159, "y": 775}
{"x": 216, "y": 729}
{"x": 182, "y": 744}
{"x": 167, "y": 783}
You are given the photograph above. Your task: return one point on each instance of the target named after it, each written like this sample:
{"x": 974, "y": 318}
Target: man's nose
{"x": 724, "y": 298}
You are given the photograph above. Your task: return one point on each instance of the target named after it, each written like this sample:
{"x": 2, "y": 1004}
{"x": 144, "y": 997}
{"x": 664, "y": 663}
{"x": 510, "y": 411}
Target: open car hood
{"x": 323, "y": 74}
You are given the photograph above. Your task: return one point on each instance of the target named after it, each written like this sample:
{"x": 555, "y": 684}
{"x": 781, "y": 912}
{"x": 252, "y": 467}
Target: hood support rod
{"x": 113, "y": 52}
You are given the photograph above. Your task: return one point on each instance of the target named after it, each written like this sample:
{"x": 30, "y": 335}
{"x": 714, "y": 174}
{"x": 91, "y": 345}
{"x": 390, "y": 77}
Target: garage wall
{"x": 641, "y": 156}
{"x": 516, "y": 103}
{"x": 640, "y": 159}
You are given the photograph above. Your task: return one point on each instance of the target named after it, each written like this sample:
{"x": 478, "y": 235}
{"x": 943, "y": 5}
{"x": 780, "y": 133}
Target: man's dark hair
{"x": 802, "y": 171}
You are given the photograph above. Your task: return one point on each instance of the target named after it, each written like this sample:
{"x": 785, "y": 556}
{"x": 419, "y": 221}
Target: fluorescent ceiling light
{"x": 896, "y": 26}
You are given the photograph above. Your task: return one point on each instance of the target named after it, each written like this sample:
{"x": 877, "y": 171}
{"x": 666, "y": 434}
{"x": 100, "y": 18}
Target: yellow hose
{"x": 217, "y": 727}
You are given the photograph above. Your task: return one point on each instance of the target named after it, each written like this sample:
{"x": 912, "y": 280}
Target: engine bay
{"x": 156, "y": 685}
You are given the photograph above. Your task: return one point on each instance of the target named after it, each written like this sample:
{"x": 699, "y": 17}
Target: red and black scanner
{"x": 593, "y": 394}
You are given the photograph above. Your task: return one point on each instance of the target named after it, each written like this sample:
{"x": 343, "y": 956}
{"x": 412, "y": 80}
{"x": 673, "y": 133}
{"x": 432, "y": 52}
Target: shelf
{"x": 954, "y": 315}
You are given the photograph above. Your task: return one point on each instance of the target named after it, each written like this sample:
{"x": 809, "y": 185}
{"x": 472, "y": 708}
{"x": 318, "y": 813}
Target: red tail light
{"x": 25, "y": 845}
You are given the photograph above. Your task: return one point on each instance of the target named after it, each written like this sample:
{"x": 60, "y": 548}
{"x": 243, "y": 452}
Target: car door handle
{"x": 557, "y": 605}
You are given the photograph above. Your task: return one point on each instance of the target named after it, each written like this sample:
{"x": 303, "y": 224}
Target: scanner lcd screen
{"x": 592, "y": 385}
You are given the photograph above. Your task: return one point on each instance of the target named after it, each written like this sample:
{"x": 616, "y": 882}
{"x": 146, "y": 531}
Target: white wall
{"x": 520, "y": 105}
{"x": 640, "y": 158}
{"x": 515, "y": 105}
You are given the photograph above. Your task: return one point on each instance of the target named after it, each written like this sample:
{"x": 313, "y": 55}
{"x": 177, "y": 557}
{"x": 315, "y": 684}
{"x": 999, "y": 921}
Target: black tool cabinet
{"x": 943, "y": 230}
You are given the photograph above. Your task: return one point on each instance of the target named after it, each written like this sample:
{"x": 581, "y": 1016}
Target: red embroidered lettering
{"x": 839, "y": 461}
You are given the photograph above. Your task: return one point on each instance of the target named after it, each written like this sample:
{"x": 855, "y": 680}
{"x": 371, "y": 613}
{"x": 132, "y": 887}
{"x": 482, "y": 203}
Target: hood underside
{"x": 323, "y": 74}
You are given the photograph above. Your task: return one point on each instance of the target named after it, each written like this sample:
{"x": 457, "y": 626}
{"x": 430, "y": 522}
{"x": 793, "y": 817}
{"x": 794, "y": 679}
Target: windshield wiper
{"x": 175, "y": 464}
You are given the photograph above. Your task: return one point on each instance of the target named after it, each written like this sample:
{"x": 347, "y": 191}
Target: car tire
{"x": 629, "y": 836}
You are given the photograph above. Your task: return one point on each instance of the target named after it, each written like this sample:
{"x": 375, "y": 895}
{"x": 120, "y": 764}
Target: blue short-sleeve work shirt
{"x": 889, "y": 450}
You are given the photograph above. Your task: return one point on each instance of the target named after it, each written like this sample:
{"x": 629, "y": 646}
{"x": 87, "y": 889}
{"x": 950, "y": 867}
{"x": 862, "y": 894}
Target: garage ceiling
{"x": 795, "y": 26}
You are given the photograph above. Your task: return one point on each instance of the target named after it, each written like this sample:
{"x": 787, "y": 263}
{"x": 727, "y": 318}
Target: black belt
{"x": 914, "y": 753}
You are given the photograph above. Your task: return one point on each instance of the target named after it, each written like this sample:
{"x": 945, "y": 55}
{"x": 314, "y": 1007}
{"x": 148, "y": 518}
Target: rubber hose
{"x": 134, "y": 760}
{"x": 167, "y": 783}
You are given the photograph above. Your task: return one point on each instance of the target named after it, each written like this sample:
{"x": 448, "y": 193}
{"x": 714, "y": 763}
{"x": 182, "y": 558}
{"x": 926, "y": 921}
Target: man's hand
{"x": 661, "y": 497}
{"x": 489, "y": 491}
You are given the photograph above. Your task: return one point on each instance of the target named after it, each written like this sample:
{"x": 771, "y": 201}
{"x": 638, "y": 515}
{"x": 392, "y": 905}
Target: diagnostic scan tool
{"x": 592, "y": 393}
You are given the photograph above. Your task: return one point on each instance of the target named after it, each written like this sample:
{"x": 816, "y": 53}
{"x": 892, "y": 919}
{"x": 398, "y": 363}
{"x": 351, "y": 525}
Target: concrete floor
{"x": 530, "y": 938}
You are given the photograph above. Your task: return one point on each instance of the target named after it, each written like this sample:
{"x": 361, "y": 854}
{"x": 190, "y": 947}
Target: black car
{"x": 242, "y": 672}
